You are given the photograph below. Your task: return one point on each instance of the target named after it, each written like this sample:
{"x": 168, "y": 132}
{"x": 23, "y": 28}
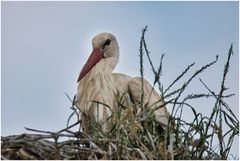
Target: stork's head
{"x": 105, "y": 46}
{"x": 107, "y": 43}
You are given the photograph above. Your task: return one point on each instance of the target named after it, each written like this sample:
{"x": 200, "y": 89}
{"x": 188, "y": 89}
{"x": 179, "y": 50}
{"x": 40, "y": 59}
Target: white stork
{"x": 97, "y": 82}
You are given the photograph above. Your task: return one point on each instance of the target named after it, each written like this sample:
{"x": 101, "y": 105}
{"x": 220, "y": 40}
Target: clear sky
{"x": 45, "y": 45}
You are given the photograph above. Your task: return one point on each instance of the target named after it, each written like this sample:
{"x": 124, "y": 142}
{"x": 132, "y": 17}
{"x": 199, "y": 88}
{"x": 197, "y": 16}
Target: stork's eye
{"x": 107, "y": 42}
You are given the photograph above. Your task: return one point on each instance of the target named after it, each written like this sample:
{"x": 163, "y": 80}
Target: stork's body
{"x": 98, "y": 83}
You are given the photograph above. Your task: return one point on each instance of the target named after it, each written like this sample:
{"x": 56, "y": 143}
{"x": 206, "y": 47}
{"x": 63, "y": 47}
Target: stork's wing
{"x": 150, "y": 96}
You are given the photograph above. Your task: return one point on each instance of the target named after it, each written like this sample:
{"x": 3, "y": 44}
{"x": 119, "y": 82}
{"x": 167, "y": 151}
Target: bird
{"x": 98, "y": 86}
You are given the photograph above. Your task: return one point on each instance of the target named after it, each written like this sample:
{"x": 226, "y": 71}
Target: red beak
{"x": 93, "y": 59}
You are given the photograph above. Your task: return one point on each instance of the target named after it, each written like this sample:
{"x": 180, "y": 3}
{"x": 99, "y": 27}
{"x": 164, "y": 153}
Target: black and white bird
{"x": 97, "y": 82}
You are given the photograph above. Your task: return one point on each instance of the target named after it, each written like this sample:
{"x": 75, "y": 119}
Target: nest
{"x": 74, "y": 145}
{"x": 39, "y": 147}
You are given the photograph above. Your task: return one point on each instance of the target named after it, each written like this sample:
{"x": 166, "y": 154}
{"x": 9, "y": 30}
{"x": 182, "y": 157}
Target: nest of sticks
{"x": 45, "y": 147}
{"x": 68, "y": 145}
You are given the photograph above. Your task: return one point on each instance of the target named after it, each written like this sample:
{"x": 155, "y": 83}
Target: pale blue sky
{"x": 45, "y": 44}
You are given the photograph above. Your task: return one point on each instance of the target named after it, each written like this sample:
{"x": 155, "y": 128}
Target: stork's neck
{"x": 98, "y": 83}
{"x": 111, "y": 63}
{"x": 111, "y": 58}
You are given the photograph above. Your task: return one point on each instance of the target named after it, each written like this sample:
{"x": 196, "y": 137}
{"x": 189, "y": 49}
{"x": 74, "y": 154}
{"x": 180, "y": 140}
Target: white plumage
{"x": 96, "y": 82}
